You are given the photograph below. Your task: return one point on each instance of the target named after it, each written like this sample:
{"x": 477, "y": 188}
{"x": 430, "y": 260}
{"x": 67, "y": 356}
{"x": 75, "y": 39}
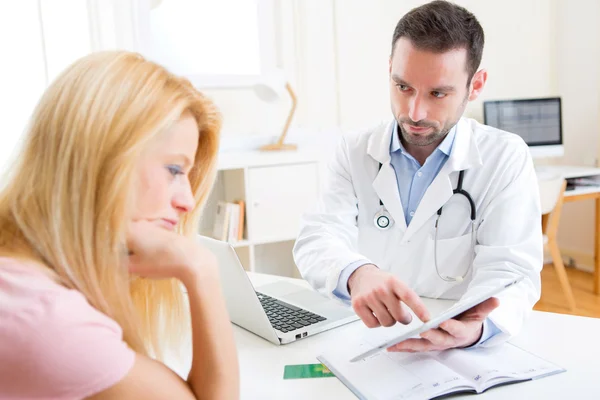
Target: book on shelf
{"x": 229, "y": 221}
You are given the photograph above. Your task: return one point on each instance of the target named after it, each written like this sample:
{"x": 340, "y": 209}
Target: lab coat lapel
{"x": 464, "y": 155}
{"x": 385, "y": 183}
{"x": 386, "y": 186}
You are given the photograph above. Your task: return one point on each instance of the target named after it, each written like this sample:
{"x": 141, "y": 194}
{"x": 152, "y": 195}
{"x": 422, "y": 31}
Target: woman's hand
{"x": 157, "y": 253}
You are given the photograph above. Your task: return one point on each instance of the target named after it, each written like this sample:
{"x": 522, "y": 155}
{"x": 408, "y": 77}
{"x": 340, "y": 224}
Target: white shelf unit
{"x": 277, "y": 187}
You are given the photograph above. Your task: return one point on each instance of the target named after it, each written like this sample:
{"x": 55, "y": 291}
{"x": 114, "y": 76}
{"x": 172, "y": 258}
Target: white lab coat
{"x": 500, "y": 177}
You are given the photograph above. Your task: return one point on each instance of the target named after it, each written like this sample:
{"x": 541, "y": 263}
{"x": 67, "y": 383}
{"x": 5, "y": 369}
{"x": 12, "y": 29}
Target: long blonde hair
{"x": 66, "y": 202}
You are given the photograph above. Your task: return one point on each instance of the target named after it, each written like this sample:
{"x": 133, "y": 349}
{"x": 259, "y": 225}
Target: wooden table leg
{"x": 597, "y": 249}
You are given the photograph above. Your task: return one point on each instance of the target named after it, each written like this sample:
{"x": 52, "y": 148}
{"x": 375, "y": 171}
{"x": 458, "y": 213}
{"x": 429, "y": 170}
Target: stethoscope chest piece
{"x": 383, "y": 220}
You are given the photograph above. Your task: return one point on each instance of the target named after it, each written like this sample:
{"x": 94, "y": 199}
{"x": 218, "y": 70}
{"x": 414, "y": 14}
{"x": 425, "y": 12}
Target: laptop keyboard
{"x": 285, "y": 317}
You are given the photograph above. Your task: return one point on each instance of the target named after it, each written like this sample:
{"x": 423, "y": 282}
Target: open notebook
{"x": 389, "y": 375}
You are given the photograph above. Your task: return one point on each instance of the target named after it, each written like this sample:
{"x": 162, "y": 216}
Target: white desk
{"x": 578, "y": 194}
{"x": 569, "y": 341}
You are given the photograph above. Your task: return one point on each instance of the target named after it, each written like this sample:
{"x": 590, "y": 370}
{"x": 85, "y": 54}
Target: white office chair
{"x": 552, "y": 189}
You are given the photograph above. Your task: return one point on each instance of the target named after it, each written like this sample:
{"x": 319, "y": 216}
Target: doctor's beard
{"x": 436, "y": 135}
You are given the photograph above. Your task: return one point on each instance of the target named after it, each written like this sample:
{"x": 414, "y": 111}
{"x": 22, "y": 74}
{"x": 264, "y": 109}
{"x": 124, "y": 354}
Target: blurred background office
{"x": 333, "y": 57}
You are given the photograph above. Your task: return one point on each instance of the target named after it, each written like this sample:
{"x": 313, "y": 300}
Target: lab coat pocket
{"x": 454, "y": 259}
{"x": 452, "y": 253}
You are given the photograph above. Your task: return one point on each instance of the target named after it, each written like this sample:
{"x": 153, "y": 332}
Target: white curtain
{"x": 118, "y": 24}
{"x": 39, "y": 38}
{"x": 22, "y": 72}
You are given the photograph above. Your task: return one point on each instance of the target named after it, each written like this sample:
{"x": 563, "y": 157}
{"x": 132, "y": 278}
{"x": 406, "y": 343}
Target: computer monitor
{"x": 537, "y": 121}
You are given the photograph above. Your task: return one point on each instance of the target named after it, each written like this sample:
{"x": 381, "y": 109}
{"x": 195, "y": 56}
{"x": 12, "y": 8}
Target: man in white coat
{"x": 375, "y": 238}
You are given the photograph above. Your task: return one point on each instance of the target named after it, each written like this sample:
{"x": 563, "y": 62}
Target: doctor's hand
{"x": 463, "y": 331}
{"x": 378, "y": 297}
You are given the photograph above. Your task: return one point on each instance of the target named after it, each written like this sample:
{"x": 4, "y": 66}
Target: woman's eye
{"x": 175, "y": 170}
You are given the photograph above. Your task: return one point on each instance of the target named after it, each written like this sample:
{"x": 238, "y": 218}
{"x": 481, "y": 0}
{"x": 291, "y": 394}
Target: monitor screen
{"x": 537, "y": 121}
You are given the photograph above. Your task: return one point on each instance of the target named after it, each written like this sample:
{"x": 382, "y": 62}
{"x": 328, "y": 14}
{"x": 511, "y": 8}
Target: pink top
{"x": 53, "y": 343}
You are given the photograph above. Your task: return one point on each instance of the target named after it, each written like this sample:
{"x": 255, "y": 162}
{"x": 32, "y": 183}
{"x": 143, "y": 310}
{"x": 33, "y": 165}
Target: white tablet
{"x": 460, "y": 307}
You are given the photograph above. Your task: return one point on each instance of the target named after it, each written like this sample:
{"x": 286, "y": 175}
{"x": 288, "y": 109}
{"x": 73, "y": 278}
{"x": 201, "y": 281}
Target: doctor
{"x": 377, "y": 237}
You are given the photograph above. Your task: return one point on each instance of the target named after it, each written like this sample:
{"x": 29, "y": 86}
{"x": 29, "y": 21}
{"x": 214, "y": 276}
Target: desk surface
{"x": 567, "y": 171}
{"x": 582, "y": 193}
{"x": 569, "y": 341}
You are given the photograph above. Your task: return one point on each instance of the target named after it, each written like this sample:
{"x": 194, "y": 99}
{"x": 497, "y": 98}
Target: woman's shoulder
{"x": 30, "y": 297}
{"x": 52, "y": 340}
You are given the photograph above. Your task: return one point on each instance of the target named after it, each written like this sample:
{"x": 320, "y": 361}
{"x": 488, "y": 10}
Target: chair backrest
{"x": 550, "y": 190}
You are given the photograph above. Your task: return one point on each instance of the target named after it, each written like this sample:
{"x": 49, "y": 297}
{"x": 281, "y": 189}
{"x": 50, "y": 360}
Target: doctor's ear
{"x": 477, "y": 84}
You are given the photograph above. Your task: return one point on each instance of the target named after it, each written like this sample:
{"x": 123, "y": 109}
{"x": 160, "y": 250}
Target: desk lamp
{"x": 270, "y": 89}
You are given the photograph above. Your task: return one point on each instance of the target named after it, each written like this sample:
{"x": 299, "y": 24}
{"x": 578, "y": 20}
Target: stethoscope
{"x": 383, "y": 220}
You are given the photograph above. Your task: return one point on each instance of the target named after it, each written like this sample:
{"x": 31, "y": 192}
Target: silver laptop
{"x": 280, "y": 312}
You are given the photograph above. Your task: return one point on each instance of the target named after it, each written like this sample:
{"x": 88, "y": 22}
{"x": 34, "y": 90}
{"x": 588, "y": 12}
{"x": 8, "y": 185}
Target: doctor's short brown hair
{"x": 442, "y": 26}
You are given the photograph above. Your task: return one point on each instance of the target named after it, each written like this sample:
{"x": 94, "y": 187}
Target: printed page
{"x": 387, "y": 376}
{"x": 486, "y": 367}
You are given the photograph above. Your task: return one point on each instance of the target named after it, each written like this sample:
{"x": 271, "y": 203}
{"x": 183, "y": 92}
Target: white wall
{"x": 519, "y": 52}
{"x": 335, "y": 53}
{"x": 578, "y": 67}
{"x": 364, "y": 31}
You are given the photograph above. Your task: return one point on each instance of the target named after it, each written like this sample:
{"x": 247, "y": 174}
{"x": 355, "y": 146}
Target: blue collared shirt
{"x": 413, "y": 179}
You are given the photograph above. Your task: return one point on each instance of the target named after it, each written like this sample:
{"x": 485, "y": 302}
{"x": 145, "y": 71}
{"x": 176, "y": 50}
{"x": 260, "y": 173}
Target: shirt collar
{"x": 445, "y": 147}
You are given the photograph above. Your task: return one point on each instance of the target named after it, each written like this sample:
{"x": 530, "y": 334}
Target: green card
{"x": 306, "y": 371}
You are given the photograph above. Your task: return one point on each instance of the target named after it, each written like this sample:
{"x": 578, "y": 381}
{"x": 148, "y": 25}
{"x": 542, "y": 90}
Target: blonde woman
{"x": 96, "y": 237}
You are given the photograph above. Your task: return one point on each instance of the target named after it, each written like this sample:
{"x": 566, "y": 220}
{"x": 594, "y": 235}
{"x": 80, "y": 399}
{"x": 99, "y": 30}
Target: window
{"x": 214, "y": 43}
{"x": 66, "y": 28}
